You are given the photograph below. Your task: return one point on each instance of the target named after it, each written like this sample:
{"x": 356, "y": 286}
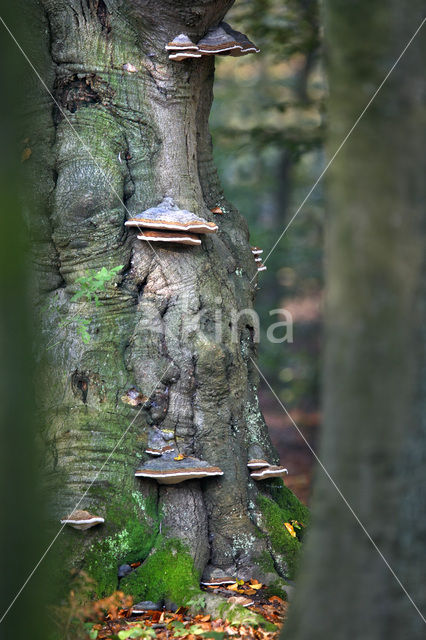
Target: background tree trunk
{"x": 374, "y": 438}
{"x": 136, "y": 138}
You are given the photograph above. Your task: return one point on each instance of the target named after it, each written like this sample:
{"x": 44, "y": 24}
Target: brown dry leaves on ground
{"x": 110, "y": 622}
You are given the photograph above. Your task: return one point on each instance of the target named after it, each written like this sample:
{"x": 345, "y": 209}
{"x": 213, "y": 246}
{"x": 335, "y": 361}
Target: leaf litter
{"x": 108, "y": 621}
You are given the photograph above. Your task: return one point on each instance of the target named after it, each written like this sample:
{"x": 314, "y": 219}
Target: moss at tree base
{"x": 168, "y": 573}
{"x": 131, "y": 543}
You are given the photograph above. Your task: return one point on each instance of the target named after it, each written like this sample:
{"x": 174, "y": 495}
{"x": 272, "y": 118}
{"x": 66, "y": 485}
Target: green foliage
{"x": 89, "y": 288}
{"x": 92, "y": 633}
{"x": 82, "y": 328}
{"x": 238, "y": 615}
{"x": 167, "y": 573}
{"x": 180, "y": 629}
{"x": 91, "y": 284}
{"x": 197, "y": 602}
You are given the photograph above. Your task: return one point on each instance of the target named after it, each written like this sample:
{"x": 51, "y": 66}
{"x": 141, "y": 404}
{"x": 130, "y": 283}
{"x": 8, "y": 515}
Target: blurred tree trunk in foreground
{"x": 374, "y": 440}
{"x": 21, "y": 523}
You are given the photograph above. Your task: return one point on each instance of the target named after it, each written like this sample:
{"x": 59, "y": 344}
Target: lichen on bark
{"x": 118, "y": 143}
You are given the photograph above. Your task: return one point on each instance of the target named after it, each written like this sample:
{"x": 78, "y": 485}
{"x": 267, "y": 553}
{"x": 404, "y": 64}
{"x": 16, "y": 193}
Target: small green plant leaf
{"x": 196, "y": 630}
{"x": 82, "y": 328}
{"x": 92, "y": 633}
{"x": 197, "y": 602}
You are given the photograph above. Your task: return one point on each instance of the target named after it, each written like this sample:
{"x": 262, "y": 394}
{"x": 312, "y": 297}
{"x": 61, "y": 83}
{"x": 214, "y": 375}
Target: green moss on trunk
{"x": 131, "y": 543}
{"x": 168, "y": 573}
{"x": 285, "y": 507}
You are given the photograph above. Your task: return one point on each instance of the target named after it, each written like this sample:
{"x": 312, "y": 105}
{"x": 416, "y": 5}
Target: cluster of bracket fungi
{"x": 167, "y": 223}
{"x": 167, "y": 466}
{"x": 222, "y": 40}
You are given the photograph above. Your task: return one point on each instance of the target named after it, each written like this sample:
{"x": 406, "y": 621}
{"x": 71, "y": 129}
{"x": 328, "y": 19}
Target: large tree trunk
{"x": 374, "y": 439}
{"x": 128, "y": 140}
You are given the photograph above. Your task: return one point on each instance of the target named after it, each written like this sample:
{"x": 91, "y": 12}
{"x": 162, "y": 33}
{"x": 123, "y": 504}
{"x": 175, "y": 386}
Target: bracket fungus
{"x": 182, "y": 47}
{"x": 261, "y": 267}
{"x": 82, "y": 520}
{"x": 156, "y": 453}
{"x": 217, "y": 40}
{"x": 181, "y": 43}
{"x": 246, "y": 46}
{"x": 175, "y": 237}
{"x": 167, "y": 470}
{"x": 257, "y": 463}
{"x": 271, "y": 471}
{"x": 168, "y": 217}
{"x": 184, "y": 55}
{"x": 217, "y": 582}
{"x": 256, "y": 251}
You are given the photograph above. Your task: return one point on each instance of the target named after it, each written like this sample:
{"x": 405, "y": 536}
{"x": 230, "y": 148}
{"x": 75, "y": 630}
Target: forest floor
{"x": 117, "y": 620}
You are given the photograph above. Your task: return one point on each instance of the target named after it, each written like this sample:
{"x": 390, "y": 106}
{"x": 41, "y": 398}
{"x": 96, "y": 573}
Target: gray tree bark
{"x": 374, "y": 438}
{"x": 122, "y": 140}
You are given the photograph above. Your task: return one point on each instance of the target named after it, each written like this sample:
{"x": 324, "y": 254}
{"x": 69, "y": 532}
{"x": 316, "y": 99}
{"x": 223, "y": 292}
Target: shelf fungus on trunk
{"x": 217, "y": 41}
{"x": 156, "y": 453}
{"x": 256, "y": 251}
{"x": 168, "y": 217}
{"x": 271, "y": 471}
{"x": 182, "y": 47}
{"x": 261, "y": 267}
{"x": 174, "y": 237}
{"x": 82, "y": 520}
{"x": 257, "y": 463}
{"x": 246, "y": 46}
{"x": 167, "y": 470}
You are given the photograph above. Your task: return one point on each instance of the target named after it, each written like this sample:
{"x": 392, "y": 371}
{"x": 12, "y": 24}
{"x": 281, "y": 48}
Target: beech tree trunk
{"x": 374, "y": 438}
{"x": 122, "y": 140}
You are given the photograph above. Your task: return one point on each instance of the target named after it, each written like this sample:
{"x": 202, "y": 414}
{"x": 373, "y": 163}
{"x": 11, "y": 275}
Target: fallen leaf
{"x": 181, "y": 456}
{"x": 290, "y": 529}
{"x": 26, "y": 154}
